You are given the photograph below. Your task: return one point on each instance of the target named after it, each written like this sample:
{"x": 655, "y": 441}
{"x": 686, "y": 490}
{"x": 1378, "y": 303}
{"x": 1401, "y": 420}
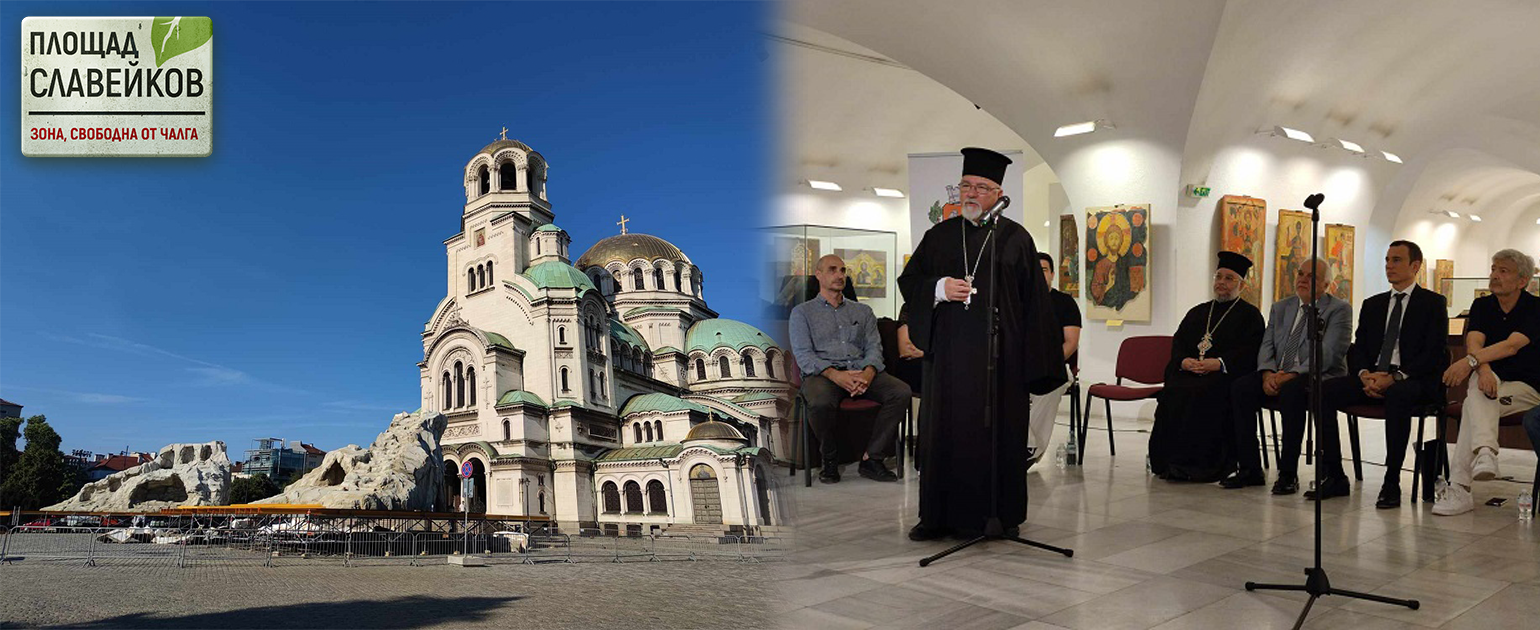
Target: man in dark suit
{"x": 1397, "y": 359}
{"x": 1283, "y": 375}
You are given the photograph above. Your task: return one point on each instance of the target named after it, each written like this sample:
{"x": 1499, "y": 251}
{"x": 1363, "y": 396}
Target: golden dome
{"x": 625, "y": 248}
{"x": 713, "y": 430}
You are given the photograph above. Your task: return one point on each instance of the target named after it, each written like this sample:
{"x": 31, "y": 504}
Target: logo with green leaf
{"x": 172, "y": 36}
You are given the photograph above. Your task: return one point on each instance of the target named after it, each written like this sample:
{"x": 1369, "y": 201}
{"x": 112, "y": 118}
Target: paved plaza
{"x": 677, "y": 594}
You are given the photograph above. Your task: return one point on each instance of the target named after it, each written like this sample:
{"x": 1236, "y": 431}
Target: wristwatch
{"x": 1471, "y": 359}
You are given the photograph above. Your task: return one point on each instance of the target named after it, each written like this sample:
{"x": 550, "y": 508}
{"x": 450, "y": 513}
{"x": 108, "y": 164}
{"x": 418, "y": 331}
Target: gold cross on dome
{"x": 505, "y": 134}
{"x": 622, "y": 223}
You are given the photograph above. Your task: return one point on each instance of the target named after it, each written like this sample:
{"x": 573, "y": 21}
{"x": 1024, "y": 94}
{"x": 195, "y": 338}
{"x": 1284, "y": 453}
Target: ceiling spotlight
{"x": 1292, "y": 134}
{"x": 1391, "y": 157}
{"x": 888, "y": 192}
{"x": 1080, "y": 128}
{"x": 1451, "y": 214}
{"x": 1349, "y": 145}
{"x": 823, "y": 185}
{"x": 1475, "y": 217}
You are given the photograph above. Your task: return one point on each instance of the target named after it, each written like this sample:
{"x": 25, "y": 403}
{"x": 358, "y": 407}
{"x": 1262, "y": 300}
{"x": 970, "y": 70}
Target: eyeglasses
{"x": 1230, "y": 278}
{"x": 979, "y": 188}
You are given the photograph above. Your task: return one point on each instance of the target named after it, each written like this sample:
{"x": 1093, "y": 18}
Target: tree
{"x": 253, "y": 488}
{"x": 40, "y": 477}
{"x": 10, "y": 429}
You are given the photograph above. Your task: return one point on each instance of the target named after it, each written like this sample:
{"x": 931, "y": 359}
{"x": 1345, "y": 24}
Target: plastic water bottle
{"x": 1526, "y": 507}
{"x": 1058, "y": 457}
{"x": 1440, "y": 490}
{"x": 1149, "y": 465}
{"x": 1072, "y": 453}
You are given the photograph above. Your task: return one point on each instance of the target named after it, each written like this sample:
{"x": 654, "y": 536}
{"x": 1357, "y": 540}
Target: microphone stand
{"x": 1316, "y": 582}
{"x": 993, "y": 529}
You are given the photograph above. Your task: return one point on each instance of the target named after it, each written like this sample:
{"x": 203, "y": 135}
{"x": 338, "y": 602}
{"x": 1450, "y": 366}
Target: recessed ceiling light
{"x": 1293, "y": 134}
{"x": 823, "y": 185}
{"x": 1451, "y": 214}
{"x": 1391, "y": 157}
{"x": 888, "y": 192}
{"x": 1076, "y": 129}
{"x": 1350, "y": 145}
{"x": 1475, "y": 217}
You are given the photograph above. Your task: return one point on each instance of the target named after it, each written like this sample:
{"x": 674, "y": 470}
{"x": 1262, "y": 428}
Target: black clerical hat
{"x": 985, "y": 163}
{"x": 1235, "y": 262}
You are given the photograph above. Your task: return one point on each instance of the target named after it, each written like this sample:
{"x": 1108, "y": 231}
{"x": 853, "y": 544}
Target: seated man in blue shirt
{"x": 840, "y": 355}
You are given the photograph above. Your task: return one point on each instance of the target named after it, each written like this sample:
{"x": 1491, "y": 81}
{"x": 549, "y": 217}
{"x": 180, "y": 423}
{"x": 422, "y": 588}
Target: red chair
{"x": 848, "y": 407}
{"x": 1141, "y": 360}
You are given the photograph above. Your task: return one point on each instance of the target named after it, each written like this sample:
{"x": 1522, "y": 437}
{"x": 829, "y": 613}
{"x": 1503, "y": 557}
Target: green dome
{"x": 549, "y": 227}
{"x": 628, "y": 336}
{"x": 710, "y": 334}
{"x": 520, "y": 396}
{"x": 660, "y": 402}
{"x": 554, "y": 274}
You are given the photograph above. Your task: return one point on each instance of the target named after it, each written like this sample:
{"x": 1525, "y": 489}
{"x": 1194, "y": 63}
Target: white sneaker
{"x": 1456, "y": 500}
{"x": 1484, "y": 467}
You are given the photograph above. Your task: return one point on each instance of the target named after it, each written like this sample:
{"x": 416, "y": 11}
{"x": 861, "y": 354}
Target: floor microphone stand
{"x": 1316, "y": 582}
{"x": 993, "y": 529}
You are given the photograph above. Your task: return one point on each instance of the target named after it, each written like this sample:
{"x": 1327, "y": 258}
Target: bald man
{"x": 840, "y": 355}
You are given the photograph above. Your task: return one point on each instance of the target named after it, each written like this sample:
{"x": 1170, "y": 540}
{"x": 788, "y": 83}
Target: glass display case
{"x": 872, "y": 262}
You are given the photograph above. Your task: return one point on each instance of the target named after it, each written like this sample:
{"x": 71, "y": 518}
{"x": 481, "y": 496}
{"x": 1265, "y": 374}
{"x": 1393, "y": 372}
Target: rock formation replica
{"x": 182, "y": 475}
{"x": 402, "y": 470}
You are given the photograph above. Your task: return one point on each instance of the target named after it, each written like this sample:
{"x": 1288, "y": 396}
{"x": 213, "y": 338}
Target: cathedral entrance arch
{"x": 479, "y": 482}
{"x": 705, "y": 495}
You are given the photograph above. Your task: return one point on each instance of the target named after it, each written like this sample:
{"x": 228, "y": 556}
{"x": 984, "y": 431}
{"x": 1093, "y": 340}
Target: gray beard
{"x": 1223, "y": 300}
{"x": 972, "y": 213}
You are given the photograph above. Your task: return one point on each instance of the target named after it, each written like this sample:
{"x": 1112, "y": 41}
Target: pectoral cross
{"x": 1204, "y": 345}
{"x": 971, "y": 291}
{"x": 622, "y": 223}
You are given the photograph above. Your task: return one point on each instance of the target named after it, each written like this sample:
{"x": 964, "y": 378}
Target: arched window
{"x": 448, "y": 401}
{"x": 636, "y": 280}
{"x": 657, "y": 501}
{"x": 657, "y": 278}
{"x": 481, "y": 276}
{"x": 470, "y": 280}
{"x": 561, "y": 335}
{"x": 649, "y": 431}
{"x": 537, "y": 246}
{"x": 508, "y": 176}
{"x": 490, "y": 280}
{"x": 618, "y": 286}
{"x": 611, "y": 498}
{"x": 633, "y": 497}
{"x": 724, "y": 367}
{"x": 470, "y": 380}
{"x": 507, "y": 431}
{"x": 542, "y": 502}
{"x": 659, "y": 425}
{"x": 459, "y": 385}
{"x": 564, "y": 387}
{"x": 678, "y": 286}
{"x": 638, "y": 429}
{"x": 700, "y": 370}
{"x": 484, "y": 180}
{"x": 601, "y": 385}
{"x": 748, "y": 366}
{"x": 770, "y": 365}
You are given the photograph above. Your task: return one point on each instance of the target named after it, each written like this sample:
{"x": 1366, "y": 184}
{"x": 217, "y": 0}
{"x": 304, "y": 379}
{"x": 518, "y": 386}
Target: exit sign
{"x": 1199, "y": 191}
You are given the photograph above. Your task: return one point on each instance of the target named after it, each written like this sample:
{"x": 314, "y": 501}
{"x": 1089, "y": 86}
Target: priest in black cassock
{"x": 946, "y": 288}
{"x": 1216, "y": 344}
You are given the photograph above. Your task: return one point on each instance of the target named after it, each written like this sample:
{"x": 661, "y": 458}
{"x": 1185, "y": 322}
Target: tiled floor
{"x": 1152, "y": 554}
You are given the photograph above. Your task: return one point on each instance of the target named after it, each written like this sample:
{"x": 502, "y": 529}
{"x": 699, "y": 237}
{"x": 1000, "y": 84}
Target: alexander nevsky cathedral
{"x": 603, "y": 392}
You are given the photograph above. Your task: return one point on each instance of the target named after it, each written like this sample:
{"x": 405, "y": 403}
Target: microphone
{"x": 995, "y": 211}
{"x": 1313, "y": 202}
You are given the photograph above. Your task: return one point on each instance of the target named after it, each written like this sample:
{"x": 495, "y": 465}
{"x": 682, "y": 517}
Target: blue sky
{"x": 279, "y": 287}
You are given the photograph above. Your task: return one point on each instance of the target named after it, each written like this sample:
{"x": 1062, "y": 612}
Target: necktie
{"x": 1291, "y": 345}
{"x": 1392, "y": 334}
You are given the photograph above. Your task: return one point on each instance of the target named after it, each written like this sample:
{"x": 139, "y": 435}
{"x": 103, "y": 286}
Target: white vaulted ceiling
{"x": 1451, "y": 87}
